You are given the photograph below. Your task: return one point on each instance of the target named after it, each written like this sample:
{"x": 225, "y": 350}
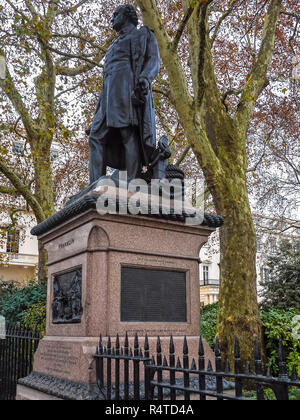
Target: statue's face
{"x": 119, "y": 18}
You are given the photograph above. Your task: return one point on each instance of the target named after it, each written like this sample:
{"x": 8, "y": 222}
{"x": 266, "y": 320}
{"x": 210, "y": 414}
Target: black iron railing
{"x": 210, "y": 282}
{"x": 169, "y": 378}
{"x": 132, "y": 361}
{"x": 16, "y": 358}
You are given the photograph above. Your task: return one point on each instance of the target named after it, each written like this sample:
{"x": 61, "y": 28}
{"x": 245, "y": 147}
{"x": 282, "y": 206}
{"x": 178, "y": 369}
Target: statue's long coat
{"x": 134, "y": 54}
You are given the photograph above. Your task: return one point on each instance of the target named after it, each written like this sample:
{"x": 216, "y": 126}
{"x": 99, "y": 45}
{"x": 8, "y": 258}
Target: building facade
{"x": 269, "y": 233}
{"x": 18, "y": 249}
{"x": 209, "y": 275}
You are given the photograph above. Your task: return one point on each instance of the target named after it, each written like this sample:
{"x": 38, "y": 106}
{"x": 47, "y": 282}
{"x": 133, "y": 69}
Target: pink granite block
{"x": 101, "y": 246}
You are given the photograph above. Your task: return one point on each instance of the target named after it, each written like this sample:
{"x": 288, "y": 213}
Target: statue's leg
{"x": 130, "y": 138}
{"x": 97, "y": 157}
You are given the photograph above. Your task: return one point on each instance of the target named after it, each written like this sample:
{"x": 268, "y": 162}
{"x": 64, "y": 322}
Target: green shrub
{"x": 14, "y": 301}
{"x": 35, "y": 317}
{"x": 278, "y": 324}
{"x": 294, "y": 394}
{"x": 209, "y": 316}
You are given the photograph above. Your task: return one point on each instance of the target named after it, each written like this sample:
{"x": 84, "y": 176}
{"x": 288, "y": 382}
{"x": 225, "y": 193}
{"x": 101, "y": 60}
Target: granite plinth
{"x": 101, "y": 245}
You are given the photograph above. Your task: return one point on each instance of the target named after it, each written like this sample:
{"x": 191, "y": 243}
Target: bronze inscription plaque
{"x": 153, "y": 295}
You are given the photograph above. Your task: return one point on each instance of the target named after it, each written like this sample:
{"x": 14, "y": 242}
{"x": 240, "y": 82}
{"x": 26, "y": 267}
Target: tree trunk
{"x": 44, "y": 195}
{"x": 238, "y": 307}
{"x": 42, "y": 264}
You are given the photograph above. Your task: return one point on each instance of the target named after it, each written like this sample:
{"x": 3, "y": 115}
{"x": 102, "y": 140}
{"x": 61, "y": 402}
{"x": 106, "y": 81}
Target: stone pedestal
{"x": 101, "y": 247}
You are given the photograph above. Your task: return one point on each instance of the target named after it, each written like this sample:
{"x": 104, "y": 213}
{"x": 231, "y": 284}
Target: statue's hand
{"x": 145, "y": 86}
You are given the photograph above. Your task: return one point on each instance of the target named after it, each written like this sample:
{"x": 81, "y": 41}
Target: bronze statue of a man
{"x": 122, "y": 134}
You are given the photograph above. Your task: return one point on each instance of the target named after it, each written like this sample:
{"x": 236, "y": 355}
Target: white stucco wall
{"x": 21, "y": 267}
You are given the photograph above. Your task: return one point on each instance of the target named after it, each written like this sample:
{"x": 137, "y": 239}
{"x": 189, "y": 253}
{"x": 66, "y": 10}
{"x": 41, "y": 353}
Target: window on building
{"x": 258, "y": 244}
{"x": 18, "y": 148}
{"x": 205, "y": 274}
{"x": 265, "y": 274}
{"x": 273, "y": 246}
{"x": 13, "y": 242}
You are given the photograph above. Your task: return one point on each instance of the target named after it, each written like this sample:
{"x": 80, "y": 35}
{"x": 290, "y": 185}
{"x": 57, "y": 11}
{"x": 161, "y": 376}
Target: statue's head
{"x": 123, "y": 14}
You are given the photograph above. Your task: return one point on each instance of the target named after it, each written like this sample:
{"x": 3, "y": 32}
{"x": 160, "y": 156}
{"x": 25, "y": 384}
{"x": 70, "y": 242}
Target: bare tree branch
{"x": 18, "y": 11}
{"x": 221, "y": 20}
{"x": 31, "y": 8}
{"x": 67, "y": 90}
{"x": 80, "y": 38}
{"x": 8, "y": 190}
{"x": 257, "y": 79}
{"x": 254, "y": 169}
{"x": 72, "y": 72}
{"x": 73, "y": 8}
{"x": 183, "y": 155}
{"x": 291, "y": 14}
{"x": 294, "y": 35}
{"x": 9, "y": 88}
{"x": 257, "y": 13}
{"x": 15, "y": 129}
{"x": 75, "y": 56}
{"x": 183, "y": 23}
{"x": 288, "y": 162}
{"x": 22, "y": 189}
{"x": 277, "y": 229}
{"x": 202, "y": 53}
